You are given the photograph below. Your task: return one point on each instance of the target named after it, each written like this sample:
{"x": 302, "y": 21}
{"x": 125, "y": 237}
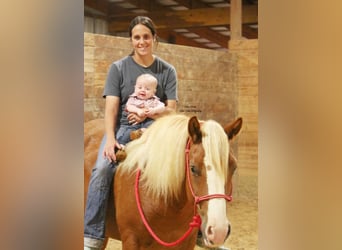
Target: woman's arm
{"x": 111, "y": 116}
{"x": 171, "y": 105}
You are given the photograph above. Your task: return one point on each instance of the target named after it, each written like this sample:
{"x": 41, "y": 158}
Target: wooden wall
{"x": 209, "y": 84}
{"x": 245, "y": 54}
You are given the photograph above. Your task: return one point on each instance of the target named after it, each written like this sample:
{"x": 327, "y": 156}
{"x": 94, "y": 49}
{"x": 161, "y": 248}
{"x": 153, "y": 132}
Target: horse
{"x": 175, "y": 180}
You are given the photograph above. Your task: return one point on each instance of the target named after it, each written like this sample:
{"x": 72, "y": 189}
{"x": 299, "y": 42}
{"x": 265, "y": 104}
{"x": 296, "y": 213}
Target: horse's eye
{"x": 194, "y": 171}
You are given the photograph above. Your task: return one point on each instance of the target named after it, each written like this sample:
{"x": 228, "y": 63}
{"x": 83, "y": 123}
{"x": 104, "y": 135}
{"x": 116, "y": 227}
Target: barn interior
{"x": 197, "y": 23}
{"x": 213, "y": 45}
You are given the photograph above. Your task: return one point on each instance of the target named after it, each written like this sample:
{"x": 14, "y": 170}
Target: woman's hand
{"x": 135, "y": 119}
{"x": 109, "y": 149}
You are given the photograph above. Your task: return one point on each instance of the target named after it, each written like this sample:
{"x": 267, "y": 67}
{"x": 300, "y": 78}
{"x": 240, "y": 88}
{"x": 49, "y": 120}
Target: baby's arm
{"x": 134, "y": 109}
{"x": 156, "y": 110}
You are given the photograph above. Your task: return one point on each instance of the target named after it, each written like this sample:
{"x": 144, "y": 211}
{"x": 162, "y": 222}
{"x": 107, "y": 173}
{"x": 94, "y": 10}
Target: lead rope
{"x": 196, "y": 220}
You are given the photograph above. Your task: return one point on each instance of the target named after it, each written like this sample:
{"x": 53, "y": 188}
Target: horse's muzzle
{"x": 215, "y": 238}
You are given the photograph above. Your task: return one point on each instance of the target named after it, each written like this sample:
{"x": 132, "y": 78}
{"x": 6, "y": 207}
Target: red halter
{"x": 198, "y": 199}
{"x": 196, "y": 219}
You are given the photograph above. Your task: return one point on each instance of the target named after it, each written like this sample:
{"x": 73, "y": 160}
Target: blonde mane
{"x": 160, "y": 154}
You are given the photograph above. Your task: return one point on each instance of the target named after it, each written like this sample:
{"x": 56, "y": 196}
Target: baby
{"x": 143, "y": 101}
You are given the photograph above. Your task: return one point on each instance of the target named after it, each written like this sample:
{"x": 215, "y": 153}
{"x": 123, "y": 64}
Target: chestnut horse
{"x": 176, "y": 177}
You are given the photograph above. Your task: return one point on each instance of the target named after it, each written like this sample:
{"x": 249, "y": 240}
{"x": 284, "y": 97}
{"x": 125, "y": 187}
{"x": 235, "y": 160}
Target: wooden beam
{"x": 116, "y": 10}
{"x": 249, "y": 32}
{"x": 235, "y": 19}
{"x": 179, "y": 39}
{"x": 99, "y": 5}
{"x": 150, "y": 5}
{"x": 211, "y": 35}
{"x": 186, "y": 19}
{"x": 192, "y": 4}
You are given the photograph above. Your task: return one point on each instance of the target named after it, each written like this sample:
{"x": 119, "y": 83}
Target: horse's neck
{"x": 185, "y": 201}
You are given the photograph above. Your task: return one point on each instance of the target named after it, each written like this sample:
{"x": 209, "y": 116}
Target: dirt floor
{"x": 243, "y": 213}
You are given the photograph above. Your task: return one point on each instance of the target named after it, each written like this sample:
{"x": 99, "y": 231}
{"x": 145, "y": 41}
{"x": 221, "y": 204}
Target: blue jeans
{"x": 124, "y": 131}
{"x": 98, "y": 193}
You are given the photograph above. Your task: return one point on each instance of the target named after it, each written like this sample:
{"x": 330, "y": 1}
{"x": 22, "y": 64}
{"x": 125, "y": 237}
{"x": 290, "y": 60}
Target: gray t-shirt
{"x": 122, "y": 77}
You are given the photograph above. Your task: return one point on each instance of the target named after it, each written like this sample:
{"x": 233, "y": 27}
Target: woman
{"x": 119, "y": 85}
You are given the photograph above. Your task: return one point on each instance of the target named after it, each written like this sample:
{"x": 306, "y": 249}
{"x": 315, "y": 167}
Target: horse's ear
{"x": 194, "y": 130}
{"x": 233, "y": 128}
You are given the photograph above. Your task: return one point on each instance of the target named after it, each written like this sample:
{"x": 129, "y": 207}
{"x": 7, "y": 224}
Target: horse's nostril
{"x": 210, "y": 230}
{"x": 228, "y": 232}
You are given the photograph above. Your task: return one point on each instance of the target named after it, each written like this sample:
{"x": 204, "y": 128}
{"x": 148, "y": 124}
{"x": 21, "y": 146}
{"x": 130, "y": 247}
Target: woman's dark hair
{"x": 144, "y": 20}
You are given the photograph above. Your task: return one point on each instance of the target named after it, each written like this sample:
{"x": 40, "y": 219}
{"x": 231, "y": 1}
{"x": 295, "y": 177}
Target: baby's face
{"x": 144, "y": 90}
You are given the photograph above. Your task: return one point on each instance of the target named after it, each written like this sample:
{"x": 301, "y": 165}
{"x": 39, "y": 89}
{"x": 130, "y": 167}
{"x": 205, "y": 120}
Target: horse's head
{"x": 211, "y": 166}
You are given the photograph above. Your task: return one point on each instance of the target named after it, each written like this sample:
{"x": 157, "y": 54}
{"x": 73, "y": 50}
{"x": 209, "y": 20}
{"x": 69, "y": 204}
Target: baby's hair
{"x": 149, "y": 78}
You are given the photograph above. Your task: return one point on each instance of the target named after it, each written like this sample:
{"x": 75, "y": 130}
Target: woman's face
{"x": 142, "y": 40}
